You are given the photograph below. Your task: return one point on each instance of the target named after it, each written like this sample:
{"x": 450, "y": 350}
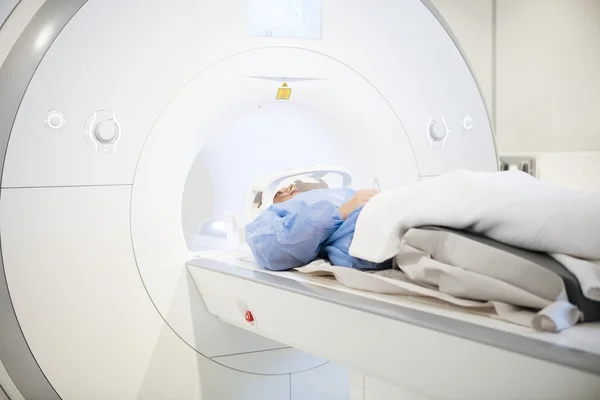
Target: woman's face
{"x": 285, "y": 194}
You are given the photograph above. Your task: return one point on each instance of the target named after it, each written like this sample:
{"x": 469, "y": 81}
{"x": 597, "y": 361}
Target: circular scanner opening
{"x": 224, "y": 133}
{"x": 251, "y": 147}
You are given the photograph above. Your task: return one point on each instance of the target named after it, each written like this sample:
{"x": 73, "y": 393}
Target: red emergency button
{"x": 249, "y": 317}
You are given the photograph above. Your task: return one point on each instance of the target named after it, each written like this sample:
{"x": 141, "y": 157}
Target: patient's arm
{"x": 281, "y": 240}
{"x": 359, "y": 199}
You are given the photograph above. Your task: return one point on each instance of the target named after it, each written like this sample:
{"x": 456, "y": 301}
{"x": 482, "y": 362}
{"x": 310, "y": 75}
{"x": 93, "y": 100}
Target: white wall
{"x": 538, "y": 64}
{"x": 548, "y": 75}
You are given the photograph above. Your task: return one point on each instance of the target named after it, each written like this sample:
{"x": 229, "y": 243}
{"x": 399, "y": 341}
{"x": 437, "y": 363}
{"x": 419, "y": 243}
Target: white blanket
{"x": 511, "y": 207}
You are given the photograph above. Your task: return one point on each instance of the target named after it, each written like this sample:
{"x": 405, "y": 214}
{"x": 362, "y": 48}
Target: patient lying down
{"x": 510, "y": 208}
{"x": 302, "y": 226}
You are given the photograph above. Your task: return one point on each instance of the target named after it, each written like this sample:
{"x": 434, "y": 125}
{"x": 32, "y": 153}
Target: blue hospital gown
{"x": 308, "y": 226}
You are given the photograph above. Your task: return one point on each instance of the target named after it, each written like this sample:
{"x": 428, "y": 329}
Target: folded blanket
{"x": 545, "y": 315}
{"x": 511, "y": 207}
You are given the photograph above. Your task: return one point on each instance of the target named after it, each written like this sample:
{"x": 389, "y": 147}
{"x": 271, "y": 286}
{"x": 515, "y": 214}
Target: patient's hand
{"x": 361, "y": 198}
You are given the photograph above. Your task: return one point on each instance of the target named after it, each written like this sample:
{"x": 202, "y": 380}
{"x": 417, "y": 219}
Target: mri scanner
{"x": 131, "y": 130}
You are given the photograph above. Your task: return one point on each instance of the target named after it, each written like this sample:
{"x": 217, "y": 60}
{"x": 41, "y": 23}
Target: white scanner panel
{"x": 121, "y": 100}
{"x": 90, "y": 67}
{"x": 81, "y": 305}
